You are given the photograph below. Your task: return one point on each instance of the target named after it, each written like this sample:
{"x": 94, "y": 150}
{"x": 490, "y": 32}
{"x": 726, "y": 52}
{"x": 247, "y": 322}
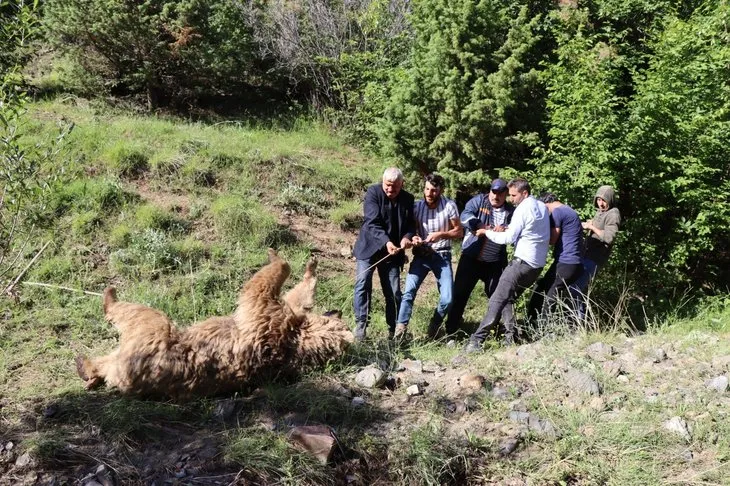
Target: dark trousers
{"x": 389, "y": 272}
{"x": 468, "y": 272}
{"x": 554, "y": 285}
{"x": 516, "y": 278}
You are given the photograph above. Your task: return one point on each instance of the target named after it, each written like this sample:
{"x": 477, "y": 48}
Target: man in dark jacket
{"x": 481, "y": 259}
{"x": 602, "y": 230}
{"x": 387, "y": 229}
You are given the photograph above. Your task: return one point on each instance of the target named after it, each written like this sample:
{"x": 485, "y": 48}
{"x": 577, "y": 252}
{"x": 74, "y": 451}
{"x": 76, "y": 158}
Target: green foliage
{"x": 168, "y": 50}
{"x": 469, "y": 94}
{"x": 127, "y": 162}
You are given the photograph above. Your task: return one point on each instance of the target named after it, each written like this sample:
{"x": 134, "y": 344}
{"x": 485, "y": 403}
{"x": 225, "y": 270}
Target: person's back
{"x": 568, "y": 247}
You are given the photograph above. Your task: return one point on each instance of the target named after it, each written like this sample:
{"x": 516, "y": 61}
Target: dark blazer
{"x": 378, "y": 219}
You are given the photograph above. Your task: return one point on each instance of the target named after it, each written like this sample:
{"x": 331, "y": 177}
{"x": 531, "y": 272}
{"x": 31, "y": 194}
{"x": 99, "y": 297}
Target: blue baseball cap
{"x": 498, "y": 185}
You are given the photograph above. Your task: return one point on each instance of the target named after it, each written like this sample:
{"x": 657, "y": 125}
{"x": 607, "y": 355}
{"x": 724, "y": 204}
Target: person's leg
{"x": 579, "y": 288}
{"x": 490, "y": 273}
{"x": 467, "y": 275}
{"x": 389, "y": 273}
{"x": 498, "y": 301}
{"x": 566, "y": 275}
{"x": 539, "y": 292}
{"x": 440, "y": 264}
{"x": 361, "y": 300}
{"x": 525, "y": 278}
{"x": 416, "y": 274}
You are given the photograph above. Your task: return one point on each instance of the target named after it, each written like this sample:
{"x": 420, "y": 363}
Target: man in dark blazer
{"x": 387, "y": 229}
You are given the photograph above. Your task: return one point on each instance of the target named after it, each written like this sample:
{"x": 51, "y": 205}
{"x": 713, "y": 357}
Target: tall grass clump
{"x": 127, "y": 162}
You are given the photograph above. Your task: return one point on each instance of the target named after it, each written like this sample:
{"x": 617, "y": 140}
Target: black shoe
{"x": 433, "y": 329}
{"x": 360, "y": 332}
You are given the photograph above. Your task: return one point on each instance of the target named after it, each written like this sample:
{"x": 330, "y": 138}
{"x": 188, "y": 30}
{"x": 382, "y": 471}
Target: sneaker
{"x": 473, "y": 347}
{"x": 359, "y": 333}
{"x": 400, "y": 331}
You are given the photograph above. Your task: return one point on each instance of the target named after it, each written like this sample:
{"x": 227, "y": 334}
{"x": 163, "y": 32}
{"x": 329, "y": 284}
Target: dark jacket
{"x": 598, "y": 248}
{"x": 479, "y": 210}
{"x": 377, "y": 222}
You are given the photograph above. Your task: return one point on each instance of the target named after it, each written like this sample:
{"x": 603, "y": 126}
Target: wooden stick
{"x": 8, "y": 290}
{"x": 38, "y": 284}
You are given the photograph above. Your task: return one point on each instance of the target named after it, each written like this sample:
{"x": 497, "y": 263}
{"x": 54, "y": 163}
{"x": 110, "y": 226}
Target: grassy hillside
{"x": 178, "y": 215}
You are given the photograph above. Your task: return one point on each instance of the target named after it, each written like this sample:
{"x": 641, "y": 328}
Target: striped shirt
{"x": 437, "y": 219}
{"x": 491, "y": 253}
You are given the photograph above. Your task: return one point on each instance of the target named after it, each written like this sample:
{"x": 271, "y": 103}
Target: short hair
{"x": 520, "y": 184}
{"x": 548, "y": 197}
{"x": 435, "y": 180}
{"x": 393, "y": 174}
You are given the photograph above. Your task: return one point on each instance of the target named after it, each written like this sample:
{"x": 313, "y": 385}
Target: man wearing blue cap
{"x": 481, "y": 259}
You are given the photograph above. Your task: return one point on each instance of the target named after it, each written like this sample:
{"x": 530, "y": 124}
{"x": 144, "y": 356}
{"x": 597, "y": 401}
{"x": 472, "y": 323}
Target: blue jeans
{"x": 579, "y": 289}
{"x": 440, "y": 265}
{"x": 389, "y": 274}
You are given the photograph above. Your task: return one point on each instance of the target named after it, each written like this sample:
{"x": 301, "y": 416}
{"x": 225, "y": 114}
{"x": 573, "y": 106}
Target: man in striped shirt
{"x": 437, "y": 223}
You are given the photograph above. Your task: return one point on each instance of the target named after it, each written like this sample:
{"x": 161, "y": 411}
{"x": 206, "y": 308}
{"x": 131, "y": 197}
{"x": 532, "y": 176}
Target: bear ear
{"x": 333, "y": 313}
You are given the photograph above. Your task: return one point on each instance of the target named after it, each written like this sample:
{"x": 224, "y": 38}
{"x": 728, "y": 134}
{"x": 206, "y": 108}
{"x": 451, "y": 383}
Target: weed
{"x": 127, "y": 162}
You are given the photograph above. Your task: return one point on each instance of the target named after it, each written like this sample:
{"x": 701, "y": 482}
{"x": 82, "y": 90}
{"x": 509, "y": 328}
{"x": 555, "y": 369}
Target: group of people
{"x": 394, "y": 222}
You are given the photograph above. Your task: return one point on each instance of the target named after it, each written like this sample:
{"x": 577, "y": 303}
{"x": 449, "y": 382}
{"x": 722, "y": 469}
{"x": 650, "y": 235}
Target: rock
{"x": 459, "y": 360}
{"x": 600, "y": 351}
{"x": 719, "y": 383}
{"x": 582, "y": 382}
{"x": 659, "y": 355}
{"x": 629, "y": 362}
{"x": 225, "y": 409}
{"x": 370, "y": 377}
{"x": 104, "y": 476}
{"x": 508, "y": 446}
{"x": 451, "y": 343}
{"x": 91, "y": 482}
{"x": 23, "y": 460}
{"x": 318, "y": 440}
{"x": 518, "y": 405}
{"x": 432, "y": 367}
{"x": 9, "y": 446}
{"x": 501, "y": 393}
{"x": 678, "y": 426}
{"x": 533, "y": 422}
{"x": 471, "y": 382}
{"x": 345, "y": 252}
{"x": 412, "y": 365}
{"x": 343, "y": 391}
{"x": 612, "y": 368}
{"x": 414, "y": 390}
{"x": 721, "y": 363}
{"x": 622, "y": 378}
{"x": 597, "y": 403}
{"x": 357, "y": 402}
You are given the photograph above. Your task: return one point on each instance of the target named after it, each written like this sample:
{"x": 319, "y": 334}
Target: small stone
{"x": 9, "y": 446}
{"x": 412, "y": 365}
{"x": 582, "y": 382}
{"x": 508, "y": 446}
{"x": 719, "y": 383}
{"x": 459, "y": 360}
{"x": 687, "y": 455}
{"x": 612, "y": 368}
{"x": 414, "y": 390}
{"x": 23, "y": 460}
{"x": 432, "y": 367}
{"x": 225, "y": 410}
{"x": 370, "y": 377}
{"x": 319, "y": 440}
{"x": 181, "y": 473}
{"x": 501, "y": 393}
{"x": 518, "y": 405}
{"x": 597, "y": 403}
{"x": 345, "y": 252}
{"x": 471, "y": 382}
{"x": 721, "y": 363}
{"x": 357, "y": 402}
{"x": 622, "y": 378}
{"x": 679, "y": 427}
{"x": 600, "y": 351}
{"x": 660, "y": 355}
{"x": 451, "y": 343}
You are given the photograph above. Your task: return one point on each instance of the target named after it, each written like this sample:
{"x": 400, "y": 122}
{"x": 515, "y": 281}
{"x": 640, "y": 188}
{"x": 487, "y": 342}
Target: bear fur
{"x": 265, "y": 337}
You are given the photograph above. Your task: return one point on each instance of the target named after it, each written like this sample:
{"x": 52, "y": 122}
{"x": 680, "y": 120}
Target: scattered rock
{"x": 370, "y": 377}
{"x": 612, "y": 368}
{"x": 471, "y": 382}
{"x": 719, "y": 383}
{"x": 318, "y": 440}
{"x": 342, "y": 391}
{"x": 104, "y": 476}
{"x": 600, "y": 351}
{"x": 508, "y": 446}
{"x": 357, "y": 402}
{"x": 23, "y": 460}
{"x": 459, "y": 360}
{"x": 432, "y": 367}
{"x": 629, "y": 362}
{"x": 518, "y": 405}
{"x": 225, "y": 409}
{"x": 659, "y": 355}
{"x": 345, "y": 252}
{"x": 582, "y": 382}
{"x": 533, "y": 422}
{"x": 678, "y": 426}
{"x": 412, "y": 365}
{"x": 721, "y": 363}
{"x": 501, "y": 393}
{"x": 597, "y": 403}
{"x": 414, "y": 390}
{"x": 622, "y": 378}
